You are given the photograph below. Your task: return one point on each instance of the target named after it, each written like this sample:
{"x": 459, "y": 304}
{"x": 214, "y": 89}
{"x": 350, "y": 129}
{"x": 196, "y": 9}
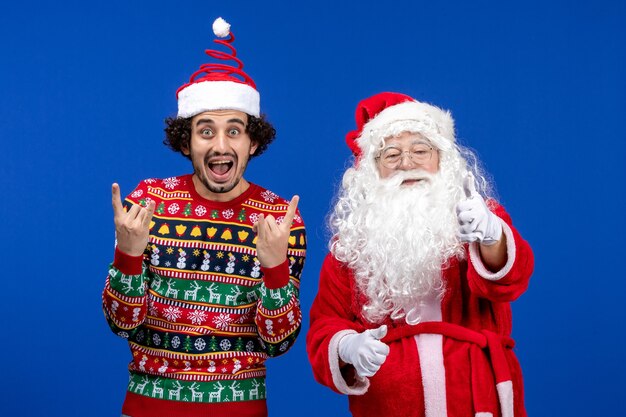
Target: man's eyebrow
{"x": 212, "y": 122}
{"x": 204, "y": 121}
{"x": 236, "y": 120}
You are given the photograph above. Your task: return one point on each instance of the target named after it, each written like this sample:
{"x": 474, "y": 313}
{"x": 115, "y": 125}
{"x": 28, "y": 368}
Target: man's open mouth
{"x": 220, "y": 168}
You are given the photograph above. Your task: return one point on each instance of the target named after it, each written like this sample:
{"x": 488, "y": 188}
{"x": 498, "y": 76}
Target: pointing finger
{"x": 116, "y": 200}
{"x": 469, "y": 185}
{"x": 291, "y": 211}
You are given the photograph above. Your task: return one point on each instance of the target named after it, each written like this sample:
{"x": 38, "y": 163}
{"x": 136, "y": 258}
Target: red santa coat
{"x": 458, "y": 363}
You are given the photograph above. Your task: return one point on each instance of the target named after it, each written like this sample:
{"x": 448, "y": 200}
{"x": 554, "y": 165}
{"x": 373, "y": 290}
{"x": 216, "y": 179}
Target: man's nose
{"x": 220, "y": 142}
{"x": 406, "y": 162}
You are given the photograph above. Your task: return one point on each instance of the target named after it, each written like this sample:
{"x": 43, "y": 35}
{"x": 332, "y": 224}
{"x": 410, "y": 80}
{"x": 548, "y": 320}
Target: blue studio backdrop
{"x": 537, "y": 88}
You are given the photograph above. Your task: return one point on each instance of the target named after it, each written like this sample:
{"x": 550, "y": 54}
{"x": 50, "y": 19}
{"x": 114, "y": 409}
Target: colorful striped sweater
{"x": 200, "y": 314}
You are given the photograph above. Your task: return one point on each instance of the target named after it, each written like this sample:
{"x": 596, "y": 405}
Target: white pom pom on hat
{"x": 221, "y": 28}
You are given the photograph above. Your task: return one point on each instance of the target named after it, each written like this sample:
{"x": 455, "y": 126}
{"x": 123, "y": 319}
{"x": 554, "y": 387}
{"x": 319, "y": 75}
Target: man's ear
{"x": 253, "y": 147}
{"x": 184, "y": 148}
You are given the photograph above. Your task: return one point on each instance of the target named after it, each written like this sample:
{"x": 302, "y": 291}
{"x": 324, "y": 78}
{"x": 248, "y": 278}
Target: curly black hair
{"x": 178, "y": 133}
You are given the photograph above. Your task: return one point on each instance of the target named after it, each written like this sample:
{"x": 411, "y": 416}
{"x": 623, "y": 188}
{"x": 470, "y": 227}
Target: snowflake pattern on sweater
{"x": 200, "y": 314}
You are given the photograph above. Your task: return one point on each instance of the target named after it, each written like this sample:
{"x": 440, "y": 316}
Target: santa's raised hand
{"x": 132, "y": 228}
{"x": 476, "y": 222}
{"x": 273, "y": 238}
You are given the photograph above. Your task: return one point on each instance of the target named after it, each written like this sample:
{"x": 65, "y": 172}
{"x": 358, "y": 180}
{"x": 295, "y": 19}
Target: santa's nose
{"x": 406, "y": 162}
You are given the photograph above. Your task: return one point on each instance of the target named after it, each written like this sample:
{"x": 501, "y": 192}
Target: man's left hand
{"x": 476, "y": 222}
{"x": 273, "y": 238}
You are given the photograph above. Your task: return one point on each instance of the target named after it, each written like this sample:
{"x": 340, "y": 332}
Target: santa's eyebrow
{"x": 415, "y": 142}
{"x": 421, "y": 142}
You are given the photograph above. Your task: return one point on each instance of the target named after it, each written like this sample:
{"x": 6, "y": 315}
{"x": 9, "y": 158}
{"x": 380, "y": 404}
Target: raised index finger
{"x": 291, "y": 211}
{"x": 116, "y": 200}
{"x": 469, "y": 185}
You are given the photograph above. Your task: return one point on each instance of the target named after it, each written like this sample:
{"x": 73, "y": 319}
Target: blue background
{"x": 537, "y": 88}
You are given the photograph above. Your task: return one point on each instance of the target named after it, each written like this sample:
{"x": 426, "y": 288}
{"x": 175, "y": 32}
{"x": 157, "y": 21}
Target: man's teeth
{"x": 221, "y": 163}
{"x": 220, "y": 167}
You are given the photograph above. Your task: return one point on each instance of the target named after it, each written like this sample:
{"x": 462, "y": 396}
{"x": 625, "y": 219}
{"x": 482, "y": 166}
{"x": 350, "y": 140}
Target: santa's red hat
{"x": 385, "y": 114}
{"x": 218, "y": 86}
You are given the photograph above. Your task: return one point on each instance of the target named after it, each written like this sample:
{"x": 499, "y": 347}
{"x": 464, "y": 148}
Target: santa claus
{"x": 412, "y": 316}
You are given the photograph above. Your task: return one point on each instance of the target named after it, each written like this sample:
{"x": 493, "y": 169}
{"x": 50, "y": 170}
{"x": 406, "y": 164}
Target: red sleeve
{"x": 127, "y": 264}
{"x": 512, "y": 281}
{"x": 277, "y": 276}
{"x": 124, "y": 298}
{"x": 331, "y": 313}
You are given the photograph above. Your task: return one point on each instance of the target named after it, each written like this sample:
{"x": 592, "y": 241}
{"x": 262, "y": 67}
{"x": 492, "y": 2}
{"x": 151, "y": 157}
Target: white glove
{"x": 476, "y": 221}
{"x": 364, "y": 350}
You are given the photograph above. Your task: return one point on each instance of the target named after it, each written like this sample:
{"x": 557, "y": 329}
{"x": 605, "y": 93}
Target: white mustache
{"x": 398, "y": 178}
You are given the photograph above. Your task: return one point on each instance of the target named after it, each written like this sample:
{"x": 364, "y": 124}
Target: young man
{"x": 412, "y": 317}
{"x": 205, "y": 278}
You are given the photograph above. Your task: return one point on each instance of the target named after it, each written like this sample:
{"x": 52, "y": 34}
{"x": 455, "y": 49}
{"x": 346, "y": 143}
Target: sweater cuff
{"x": 480, "y": 267}
{"x": 277, "y": 276}
{"x": 127, "y": 264}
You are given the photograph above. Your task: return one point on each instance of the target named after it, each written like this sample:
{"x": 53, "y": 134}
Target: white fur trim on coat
{"x": 432, "y": 365}
{"x": 430, "y": 349}
{"x": 505, "y": 393}
{"x": 218, "y": 95}
{"x": 361, "y": 385}
{"x": 477, "y": 261}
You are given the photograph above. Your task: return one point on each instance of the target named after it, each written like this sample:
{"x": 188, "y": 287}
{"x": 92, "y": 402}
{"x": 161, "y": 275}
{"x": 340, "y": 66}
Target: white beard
{"x": 396, "y": 238}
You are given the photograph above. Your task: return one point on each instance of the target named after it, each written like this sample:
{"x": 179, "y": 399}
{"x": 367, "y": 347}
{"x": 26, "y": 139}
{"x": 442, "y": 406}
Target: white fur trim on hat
{"x": 218, "y": 95}
{"x": 434, "y": 123}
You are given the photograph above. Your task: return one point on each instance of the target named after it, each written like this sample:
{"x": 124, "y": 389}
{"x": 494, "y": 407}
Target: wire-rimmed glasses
{"x": 419, "y": 153}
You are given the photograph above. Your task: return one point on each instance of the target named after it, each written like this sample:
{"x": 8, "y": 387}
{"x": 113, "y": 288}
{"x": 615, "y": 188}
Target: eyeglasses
{"x": 391, "y": 157}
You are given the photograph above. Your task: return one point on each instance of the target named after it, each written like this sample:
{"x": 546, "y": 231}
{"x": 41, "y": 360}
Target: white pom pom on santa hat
{"x": 221, "y": 28}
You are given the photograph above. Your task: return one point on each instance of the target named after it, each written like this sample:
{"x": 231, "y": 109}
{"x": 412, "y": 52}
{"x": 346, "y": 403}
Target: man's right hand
{"x": 132, "y": 228}
{"x": 364, "y": 350}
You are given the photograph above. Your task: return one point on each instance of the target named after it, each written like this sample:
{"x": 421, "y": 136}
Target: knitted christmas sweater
{"x": 200, "y": 314}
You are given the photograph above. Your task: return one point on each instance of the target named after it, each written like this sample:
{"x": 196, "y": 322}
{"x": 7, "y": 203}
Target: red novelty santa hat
{"x": 217, "y": 86}
{"x": 387, "y": 114}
